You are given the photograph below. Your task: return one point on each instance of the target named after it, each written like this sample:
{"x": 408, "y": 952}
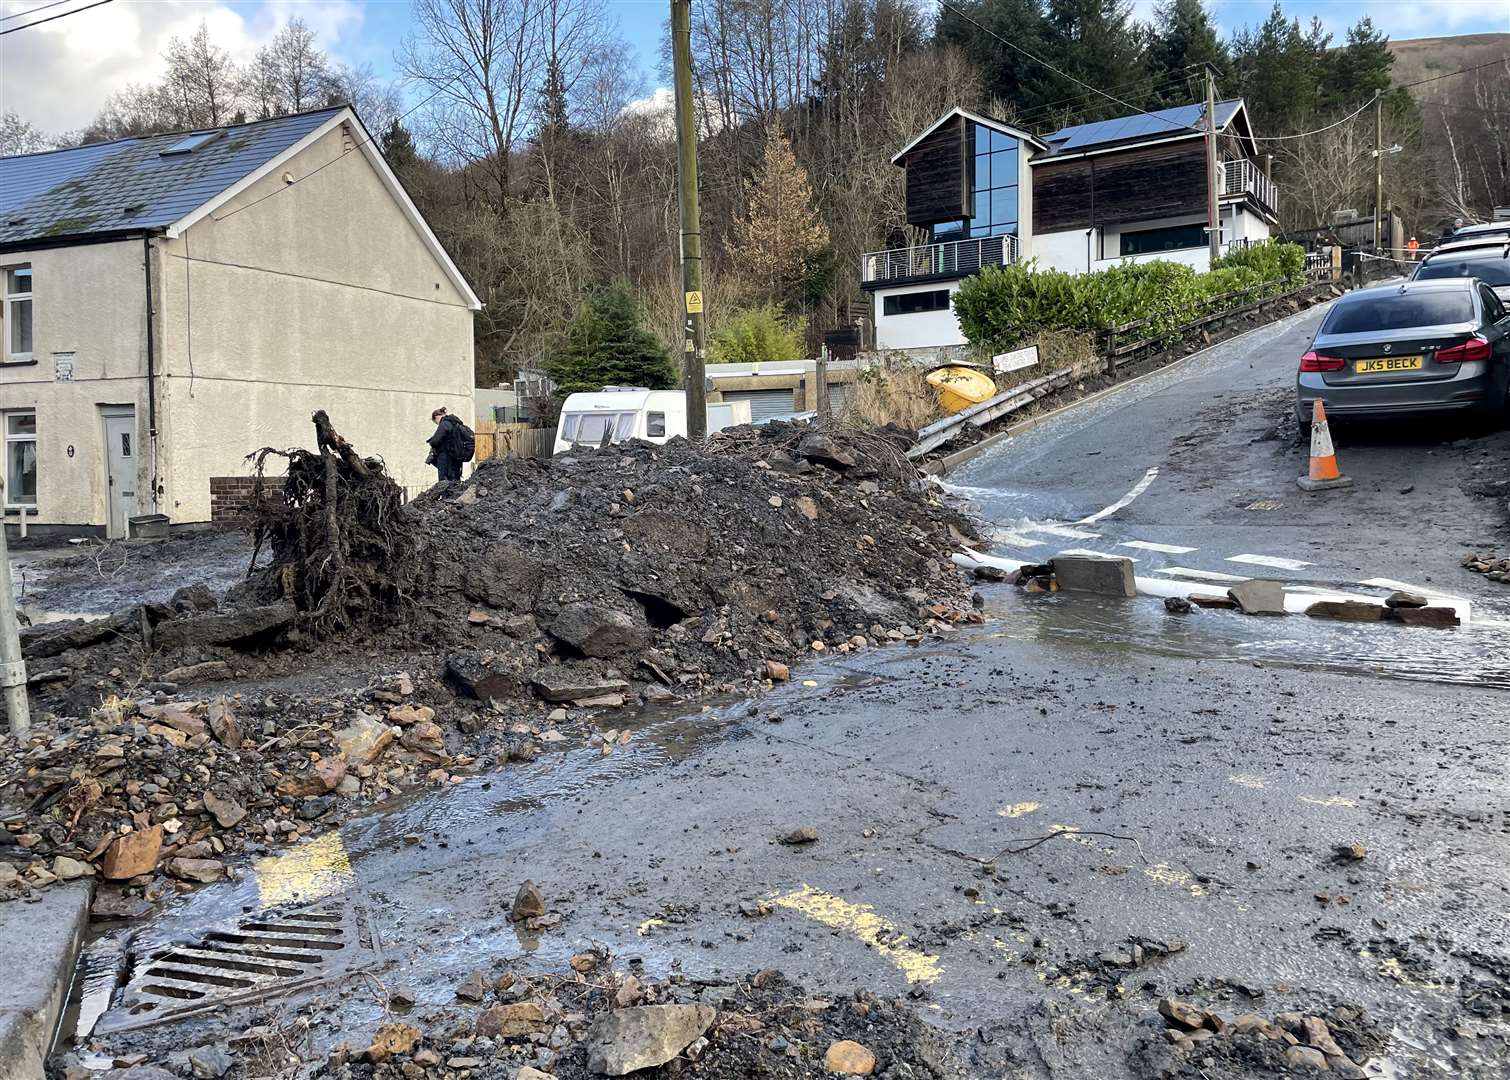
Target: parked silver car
{"x": 1487, "y": 259}
{"x": 1434, "y": 346}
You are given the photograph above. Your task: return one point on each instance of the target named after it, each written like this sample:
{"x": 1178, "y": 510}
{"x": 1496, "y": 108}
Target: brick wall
{"x": 231, "y": 499}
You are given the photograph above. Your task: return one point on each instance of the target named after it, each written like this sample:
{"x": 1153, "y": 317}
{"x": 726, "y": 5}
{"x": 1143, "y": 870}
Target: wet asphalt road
{"x": 1226, "y": 756}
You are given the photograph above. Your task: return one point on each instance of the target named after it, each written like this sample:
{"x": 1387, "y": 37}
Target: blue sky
{"x": 97, "y": 52}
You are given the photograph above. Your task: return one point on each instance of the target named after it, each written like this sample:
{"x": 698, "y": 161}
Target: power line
{"x": 32, "y": 11}
{"x": 1317, "y": 131}
{"x": 50, "y": 18}
{"x": 1450, "y": 74}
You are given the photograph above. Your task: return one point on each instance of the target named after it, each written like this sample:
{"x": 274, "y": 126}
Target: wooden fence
{"x": 496, "y": 440}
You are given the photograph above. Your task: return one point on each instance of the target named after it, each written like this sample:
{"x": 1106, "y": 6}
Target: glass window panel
{"x": 655, "y": 424}
{"x": 982, "y": 139}
{"x": 982, "y": 208}
{"x": 982, "y": 172}
{"x": 20, "y": 326}
{"x": 624, "y": 429}
{"x": 948, "y": 230}
{"x": 1003, "y": 205}
{"x": 21, "y": 424}
{"x": 1004, "y": 168}
{"x": 1000, "y": 141}
{"x": 19, "y": 280}
{"x": 569, "y": 426}
{"x": 593, "y": 427}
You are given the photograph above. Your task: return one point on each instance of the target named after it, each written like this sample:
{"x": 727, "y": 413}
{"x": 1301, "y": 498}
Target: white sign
{"x": 1015, "y": 360}
{"x": 62, "y": 367}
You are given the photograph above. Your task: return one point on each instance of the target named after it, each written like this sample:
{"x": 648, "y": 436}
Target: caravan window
{"x": 624, "y": 429}
{"x": 593, "y": 427}
{"x": 569, "y": 425}
{"x": 655, "y": 425}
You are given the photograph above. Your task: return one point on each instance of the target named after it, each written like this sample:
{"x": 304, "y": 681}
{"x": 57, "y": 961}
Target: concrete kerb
{"x": 39, "y": 948}
{"x": 945, "y": 465}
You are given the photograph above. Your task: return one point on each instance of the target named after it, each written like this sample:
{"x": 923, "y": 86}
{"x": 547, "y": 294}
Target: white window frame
{"x": 10, "y": 298}
{"x": 8, "y": 438}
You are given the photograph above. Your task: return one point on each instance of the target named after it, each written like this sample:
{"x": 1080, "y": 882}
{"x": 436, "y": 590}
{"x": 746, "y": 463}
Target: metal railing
{"x": 1243, "y": 177}
{"x": 951, "y": 257}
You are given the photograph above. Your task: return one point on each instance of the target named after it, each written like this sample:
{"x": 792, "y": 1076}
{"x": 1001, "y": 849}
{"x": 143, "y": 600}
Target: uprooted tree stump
{"x": 344, "y": 547}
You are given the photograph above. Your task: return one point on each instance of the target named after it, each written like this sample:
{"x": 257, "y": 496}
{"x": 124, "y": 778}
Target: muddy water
{"x": 1474, "y": 655}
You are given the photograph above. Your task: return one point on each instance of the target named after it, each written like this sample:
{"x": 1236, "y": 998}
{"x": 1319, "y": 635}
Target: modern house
{"x": 173, "y": 303}
{"x": 1083, "y": 198}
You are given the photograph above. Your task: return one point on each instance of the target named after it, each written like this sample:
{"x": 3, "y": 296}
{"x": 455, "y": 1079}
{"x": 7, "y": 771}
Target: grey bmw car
{"x": 1433, "y": 346}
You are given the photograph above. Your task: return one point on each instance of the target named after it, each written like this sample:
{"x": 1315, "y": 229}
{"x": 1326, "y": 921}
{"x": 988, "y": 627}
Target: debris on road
{"x": 1201, "y": 1042}
{"x": 1259, "y": 596}
{"x": 1492, "y": 566}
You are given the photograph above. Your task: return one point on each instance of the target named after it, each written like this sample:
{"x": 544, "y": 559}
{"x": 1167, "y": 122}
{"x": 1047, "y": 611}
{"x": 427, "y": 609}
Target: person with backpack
{"x": 451, "y": 445}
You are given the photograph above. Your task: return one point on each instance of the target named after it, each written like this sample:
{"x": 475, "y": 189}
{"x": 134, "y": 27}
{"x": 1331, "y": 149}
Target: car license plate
{"x": 1382, "y": 364}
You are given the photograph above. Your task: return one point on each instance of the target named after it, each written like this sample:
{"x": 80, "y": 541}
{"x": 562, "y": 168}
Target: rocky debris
{"x": 804, "y": 834}
{"x": 363, "y": 741}
{"x": 1211, "y": 600}
{"x": 1105, "y": 576}
{"x": 228, "y": 628}
{"x": 1259, "y": 596}
{"x": 473, "y": 988}
{"x": 1490, "y": 565}
{"x": 643, "y": 1036}
{"x": 1402, "y": 599}
{"x": 133, "y": 854}
{"x": 528, "y": 903}
{"x": 1425, "y": 616}
{"x": 1350, "y": 852}
{"x": 210, "y": 1062}
{"x": 597, "y": 631}
{"x": 776, "y": 671}
{"x": 208, "y": 671}
{"x": 1347, "y": 610}
{"x": 225, "y": 809}
{"x": 569, "y": 685}
{"x": 510, "y": 1021}
{"x": 849, "y": 1058}
{"x": 1257, "y": 1046}
{"x": 392, "y": 1040}
{"x": 1178, "y": 605}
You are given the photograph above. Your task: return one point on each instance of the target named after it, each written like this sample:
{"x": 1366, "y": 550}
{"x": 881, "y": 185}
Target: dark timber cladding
{"x": 1120, "y": 186}
{"x": 937, "y": 184}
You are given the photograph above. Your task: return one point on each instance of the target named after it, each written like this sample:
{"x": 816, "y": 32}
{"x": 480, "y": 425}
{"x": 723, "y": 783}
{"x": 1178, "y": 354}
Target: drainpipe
{"x": 151, "y": 366}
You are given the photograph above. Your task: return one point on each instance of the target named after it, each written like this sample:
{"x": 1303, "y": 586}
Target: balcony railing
{"x": 1243, "y": 177}
{"x": 953, "y": 257}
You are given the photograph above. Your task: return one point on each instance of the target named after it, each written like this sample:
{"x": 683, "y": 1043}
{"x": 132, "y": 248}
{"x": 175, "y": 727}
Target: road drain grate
{"x": 271, "y": 952}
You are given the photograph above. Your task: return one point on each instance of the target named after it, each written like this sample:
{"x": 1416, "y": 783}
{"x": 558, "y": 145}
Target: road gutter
{"x": 39, "y": 949}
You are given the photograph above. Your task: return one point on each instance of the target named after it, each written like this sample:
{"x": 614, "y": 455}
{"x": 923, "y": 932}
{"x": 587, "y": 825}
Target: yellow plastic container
{"x": 960, "y": 387}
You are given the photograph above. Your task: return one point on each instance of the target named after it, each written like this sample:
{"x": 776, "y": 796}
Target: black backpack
{"x": 466, "y": 443}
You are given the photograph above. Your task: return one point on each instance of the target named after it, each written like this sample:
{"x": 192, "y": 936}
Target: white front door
{"x": 120, "y": 467}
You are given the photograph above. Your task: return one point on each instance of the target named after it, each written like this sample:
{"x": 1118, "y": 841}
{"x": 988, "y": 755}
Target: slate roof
{"x": 127, "y": 185}
{"x": 1140, "y": 127}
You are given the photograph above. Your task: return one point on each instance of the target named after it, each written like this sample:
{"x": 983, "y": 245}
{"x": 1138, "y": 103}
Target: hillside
{"x": 1422, "y": 58}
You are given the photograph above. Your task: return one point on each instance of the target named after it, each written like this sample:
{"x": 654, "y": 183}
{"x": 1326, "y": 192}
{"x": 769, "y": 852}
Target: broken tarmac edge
{"x": 39, "y": 949}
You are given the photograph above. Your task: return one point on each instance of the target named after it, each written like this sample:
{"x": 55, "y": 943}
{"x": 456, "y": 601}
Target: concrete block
{"x": 39, "y": 944}
{"x": 1211, "y": 600}
{"x": 1425, "y": 616}
{"x": 1259, "y": 596}
{"x": 1095, "y": 574}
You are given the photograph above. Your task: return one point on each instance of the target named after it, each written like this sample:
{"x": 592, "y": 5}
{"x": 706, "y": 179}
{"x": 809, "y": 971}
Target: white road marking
{"x": 1147, "y": 545}
{"x": 1390, "y": 583}
{"x": 1097, "y": 554}
{"x": 1063, "y": 530}
{"x": 1204, "y": 575}
{"x": 1139, "y": 488}
{"x": 1013, "y": 539}
{"x": 1270, "y": 560}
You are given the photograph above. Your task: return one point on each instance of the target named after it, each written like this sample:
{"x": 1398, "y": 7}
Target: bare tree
{"x": 289, "y": 74}
{"x": 202, "y": 86}
{"x": 18, "y": 136}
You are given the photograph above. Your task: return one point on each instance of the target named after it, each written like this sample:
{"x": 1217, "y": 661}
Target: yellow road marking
{"x": 1017, "y": 809}
{"x": 861, "y": 921}
{"x": 1244, "y": 780}
{"x": 1330, "y": 800}
{"x": 1085, "y": 841}
{"x": 305, "y": 872}
{"x": 1165, "y": 874}
{"x": 648, "y": 925}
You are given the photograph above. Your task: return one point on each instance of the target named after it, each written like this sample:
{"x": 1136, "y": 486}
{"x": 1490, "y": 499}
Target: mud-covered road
{"x": 1003, "y": 815}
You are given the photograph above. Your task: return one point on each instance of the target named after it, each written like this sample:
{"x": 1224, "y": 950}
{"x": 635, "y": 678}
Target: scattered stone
{"x": 110, "y": 904}
{"x": 223, "y": 725}
{"x": 391, "y": 1040}
{"x": 210, "y": 1062}
{"x": 628, "y": 993}
{"x": 66, "y": 869}
{"x": 806, "y": 507}
{"x": 1425, "y": 616}
{"x": 407, "y": 715}
{"x": 364, "y": 740}
{"x": 597, "y": 631}
{"x": 473, "y": 988}
{"x": 401, "y": 997}
{"x": 1095, "y": 574}
{"x": 805, "y": 834}
{"x": 512, "y": 1021}
{"x": 643, "y": 1036}
{"x": 1402, "y": 599}
{"x": 227, "y": 812}
{"x": 558, "y": 684}
{"x": 202, "y": 871}
{"x": 1352, "y": 852}
{"x": 208, "y": 671}
{"x": 1347, "y": 610}
{"x": 1209, "y": 600}
{"x": 1178, "y": 605}
{"x": 1307, "y": 1057}
{"x": 1182, "y": 1014}
{"x": 133, "y": 854}
{"x": 776, "y": 671}
{"x": 1258, "y": 596}
{"x": 849, "y": 1059}
{"x": 529, "y": 1072}
{"x": 528, "y": 903}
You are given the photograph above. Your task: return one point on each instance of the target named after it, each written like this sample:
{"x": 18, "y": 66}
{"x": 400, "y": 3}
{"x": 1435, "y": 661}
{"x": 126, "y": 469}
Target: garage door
{"x": 764, "y": 404}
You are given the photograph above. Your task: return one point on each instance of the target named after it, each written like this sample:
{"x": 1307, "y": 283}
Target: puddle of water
{"x": 1468, "y": 655}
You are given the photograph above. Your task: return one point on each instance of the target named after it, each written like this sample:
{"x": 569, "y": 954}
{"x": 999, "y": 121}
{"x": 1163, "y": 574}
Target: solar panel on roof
{"x": 1139, "y": 126}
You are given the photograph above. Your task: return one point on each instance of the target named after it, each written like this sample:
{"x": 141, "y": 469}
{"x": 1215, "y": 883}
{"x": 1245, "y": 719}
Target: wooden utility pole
{"x": 1213, "y": 202}
{"x": 694, "y": 352}
{"x": 1378, "y": 167}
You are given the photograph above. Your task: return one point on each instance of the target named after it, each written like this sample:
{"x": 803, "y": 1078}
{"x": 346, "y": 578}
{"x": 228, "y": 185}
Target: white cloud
{"x": 58, "y": 75}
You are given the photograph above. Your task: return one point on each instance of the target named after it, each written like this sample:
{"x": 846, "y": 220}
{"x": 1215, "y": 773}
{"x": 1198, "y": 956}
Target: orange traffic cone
{"x": 1324, "y": 471}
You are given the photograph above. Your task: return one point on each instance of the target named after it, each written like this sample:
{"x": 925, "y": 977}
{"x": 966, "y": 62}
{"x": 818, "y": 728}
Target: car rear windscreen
{"x": 1489, "y": 271}
{"x": 1394, "y": 311}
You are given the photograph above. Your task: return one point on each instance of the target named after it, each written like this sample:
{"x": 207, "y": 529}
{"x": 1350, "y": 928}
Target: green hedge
{"x": 1002, "y": 305}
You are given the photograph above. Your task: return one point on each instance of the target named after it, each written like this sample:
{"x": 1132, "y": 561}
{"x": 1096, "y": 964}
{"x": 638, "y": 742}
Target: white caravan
{"x": 619, "y": 413}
